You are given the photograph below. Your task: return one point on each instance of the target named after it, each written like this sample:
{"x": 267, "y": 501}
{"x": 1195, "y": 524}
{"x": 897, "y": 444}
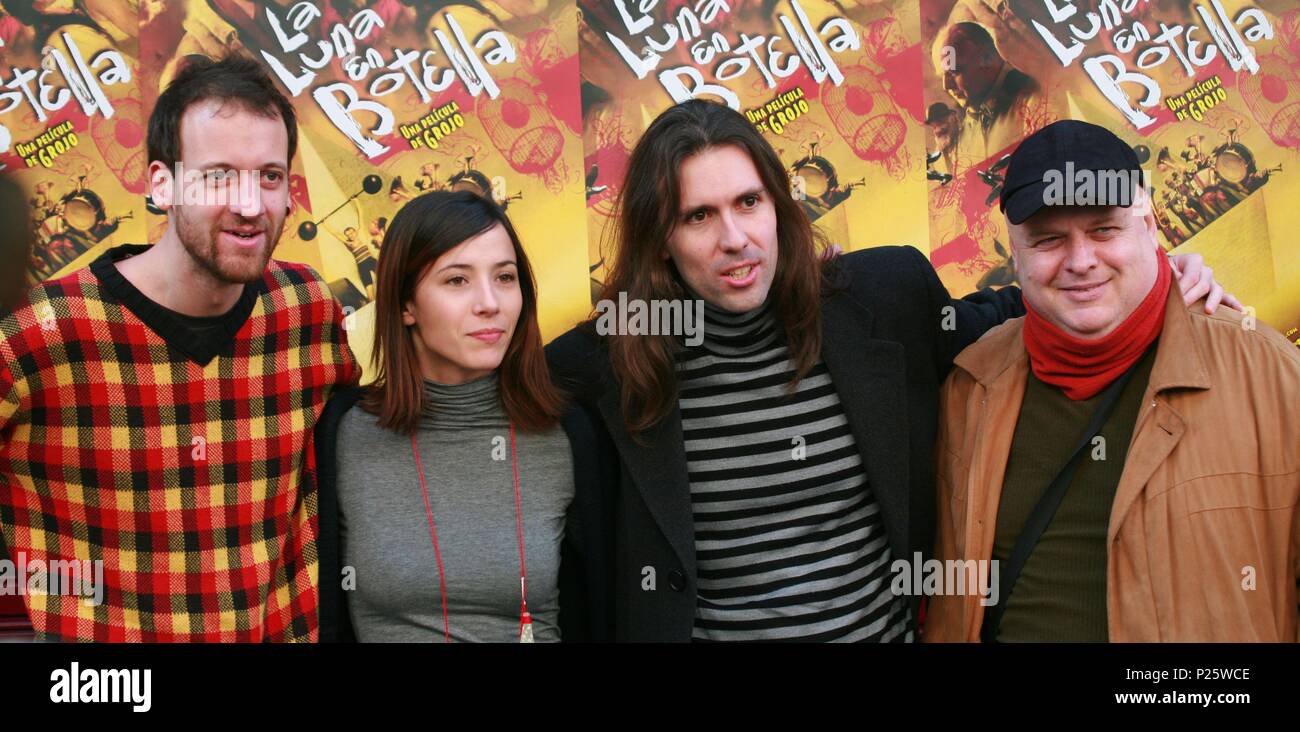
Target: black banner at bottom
{"x": 191, "y": 683}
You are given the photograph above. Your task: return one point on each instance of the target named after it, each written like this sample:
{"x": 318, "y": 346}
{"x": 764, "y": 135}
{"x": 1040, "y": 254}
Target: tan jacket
{"x": 1204, "y": 535}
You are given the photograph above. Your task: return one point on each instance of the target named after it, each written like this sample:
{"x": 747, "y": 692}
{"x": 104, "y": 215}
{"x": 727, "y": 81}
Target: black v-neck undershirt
{"x": 200, "y": 339}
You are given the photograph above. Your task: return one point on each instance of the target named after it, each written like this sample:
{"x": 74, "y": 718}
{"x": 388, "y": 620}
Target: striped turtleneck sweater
{"x": 789, "y": 540}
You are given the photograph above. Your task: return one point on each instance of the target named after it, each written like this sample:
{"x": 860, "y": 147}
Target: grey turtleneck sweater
{"x": 464, "y": 443}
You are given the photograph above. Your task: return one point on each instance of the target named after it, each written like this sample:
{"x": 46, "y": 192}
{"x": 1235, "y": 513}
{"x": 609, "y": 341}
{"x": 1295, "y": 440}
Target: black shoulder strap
{"x": 1046, "y": 507}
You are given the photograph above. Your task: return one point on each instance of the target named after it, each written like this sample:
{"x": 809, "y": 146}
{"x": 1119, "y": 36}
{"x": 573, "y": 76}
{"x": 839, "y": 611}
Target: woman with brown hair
{"x": 452, "y": 488}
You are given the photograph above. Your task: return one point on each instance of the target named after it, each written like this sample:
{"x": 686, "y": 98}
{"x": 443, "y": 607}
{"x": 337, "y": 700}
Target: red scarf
{"x": 1083, "y": 368}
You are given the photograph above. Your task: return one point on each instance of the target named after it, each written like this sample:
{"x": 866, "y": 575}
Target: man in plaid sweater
{"x": 155, "y": 408}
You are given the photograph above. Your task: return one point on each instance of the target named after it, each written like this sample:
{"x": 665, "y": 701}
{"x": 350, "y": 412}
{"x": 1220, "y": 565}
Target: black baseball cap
{"x": 1068, "y": 145}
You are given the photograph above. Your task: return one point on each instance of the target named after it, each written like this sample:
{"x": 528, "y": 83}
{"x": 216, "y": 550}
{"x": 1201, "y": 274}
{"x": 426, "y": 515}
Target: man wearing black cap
{"x": 1130, "y": 465}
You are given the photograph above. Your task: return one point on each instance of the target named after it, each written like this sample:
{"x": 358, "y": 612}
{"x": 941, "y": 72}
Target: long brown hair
{"x": 645, "y": 217}
{"x": 424, "y": 229}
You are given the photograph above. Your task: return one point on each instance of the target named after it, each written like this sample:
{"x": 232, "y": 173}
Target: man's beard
{"x": 237, "y": 269}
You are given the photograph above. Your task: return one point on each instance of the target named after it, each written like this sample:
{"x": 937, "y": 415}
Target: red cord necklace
{"x": 525, "y": 620}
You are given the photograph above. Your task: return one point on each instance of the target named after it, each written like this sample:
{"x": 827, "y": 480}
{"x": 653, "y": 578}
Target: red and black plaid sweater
{"x": 176, "y": 454}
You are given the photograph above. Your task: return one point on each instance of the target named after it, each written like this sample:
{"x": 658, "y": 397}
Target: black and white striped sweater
{"x": 789, "y": 540}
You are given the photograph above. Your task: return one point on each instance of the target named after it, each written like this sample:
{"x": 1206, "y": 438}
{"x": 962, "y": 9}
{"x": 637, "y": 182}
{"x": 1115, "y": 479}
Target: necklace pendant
{"x": 526, "y": 628}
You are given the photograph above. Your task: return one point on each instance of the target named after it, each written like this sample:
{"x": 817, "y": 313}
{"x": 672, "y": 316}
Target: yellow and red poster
{"x": 894, "y": 118}
{"x": 394, "y": 99}
{"x": 72, "y": 127}
{"x": 835, "y": 87}
{"x": 1206, "y": 92}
